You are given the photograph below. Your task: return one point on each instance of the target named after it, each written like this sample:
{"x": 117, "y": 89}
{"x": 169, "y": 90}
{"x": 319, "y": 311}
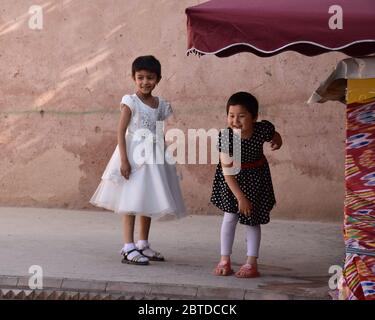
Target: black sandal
{"x": 135, "y": 259}
{"x": 157, "y": 256}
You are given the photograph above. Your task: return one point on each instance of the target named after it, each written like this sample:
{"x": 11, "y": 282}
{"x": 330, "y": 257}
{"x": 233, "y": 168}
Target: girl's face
{"x": 240, "y": 118}
{"x": 145, "y": 81}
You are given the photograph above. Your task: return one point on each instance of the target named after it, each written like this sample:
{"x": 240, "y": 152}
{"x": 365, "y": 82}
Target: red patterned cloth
{"x": 358, "y": 281}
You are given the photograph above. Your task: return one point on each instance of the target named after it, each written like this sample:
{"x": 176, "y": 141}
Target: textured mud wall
{"x": 60, "y": 89}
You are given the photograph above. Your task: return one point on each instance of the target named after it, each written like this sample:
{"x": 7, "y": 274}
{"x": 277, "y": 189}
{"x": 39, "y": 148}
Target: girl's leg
{"x": 250, "y": 268}
{"x": 128, "y": 222}
{"x": 128, "y": 228}
{"x": 144, "y": 227}
{"x": 228, "y": 230}
{"x": 143, "y": 244}
{"x": 253, "y": 235}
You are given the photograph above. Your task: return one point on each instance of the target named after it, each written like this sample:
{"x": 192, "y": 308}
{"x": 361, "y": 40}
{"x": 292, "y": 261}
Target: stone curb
{"x": 126, "y": 288}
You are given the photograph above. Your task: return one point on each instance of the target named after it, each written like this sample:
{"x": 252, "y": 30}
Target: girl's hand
{"x": 276, "y": 142}
{"x": 245, "y": 206}
{"x": 125, "y": 169}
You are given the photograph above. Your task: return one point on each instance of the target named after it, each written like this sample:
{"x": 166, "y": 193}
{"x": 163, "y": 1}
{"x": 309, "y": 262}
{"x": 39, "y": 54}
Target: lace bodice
{"x": 143, "y": 116}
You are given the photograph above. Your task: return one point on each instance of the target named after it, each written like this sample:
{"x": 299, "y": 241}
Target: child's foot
{"x": 248, "y": 271}
{"x": 134, "y": 257}
{"x": 223, "y": 269}
{"x": 152, "y": 255}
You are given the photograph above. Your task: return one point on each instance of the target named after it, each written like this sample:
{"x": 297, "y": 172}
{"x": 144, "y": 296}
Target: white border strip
{"x": 200, "y": 52}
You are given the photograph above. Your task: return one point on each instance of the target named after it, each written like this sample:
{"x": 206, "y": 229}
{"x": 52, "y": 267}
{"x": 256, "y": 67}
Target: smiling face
{"x": 145, "y": 81}
{"x": 240, "y": 118}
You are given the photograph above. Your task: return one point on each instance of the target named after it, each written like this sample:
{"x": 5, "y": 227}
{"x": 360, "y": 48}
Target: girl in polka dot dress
{"x": 246, "y": 195}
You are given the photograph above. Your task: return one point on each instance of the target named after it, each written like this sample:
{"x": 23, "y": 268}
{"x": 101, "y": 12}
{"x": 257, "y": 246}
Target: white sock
{"x": 131, "y": 246}
{"x": 141, "y": 244}
{"x": 146, "y": 247}
{"x": 128, "y": 246}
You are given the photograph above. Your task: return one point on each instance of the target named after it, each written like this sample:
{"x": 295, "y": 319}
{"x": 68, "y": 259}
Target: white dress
{"x": 153, "y": 186}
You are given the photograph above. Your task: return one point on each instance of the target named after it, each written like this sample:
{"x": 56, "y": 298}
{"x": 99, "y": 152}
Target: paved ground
{"x": 79, "y": 250}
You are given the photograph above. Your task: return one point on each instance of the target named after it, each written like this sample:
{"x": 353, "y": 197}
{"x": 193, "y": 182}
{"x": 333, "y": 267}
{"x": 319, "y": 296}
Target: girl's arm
{"x": 244, "y": 205}
{"x": 276, "y": 141}
{"x": 123, "y": 124}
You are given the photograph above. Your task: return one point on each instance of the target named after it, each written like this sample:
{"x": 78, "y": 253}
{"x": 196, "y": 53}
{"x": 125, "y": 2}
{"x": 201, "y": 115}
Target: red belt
{"x": 254, "y": 164}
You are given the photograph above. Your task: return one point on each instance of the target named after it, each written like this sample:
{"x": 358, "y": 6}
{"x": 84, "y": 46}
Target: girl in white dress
{"x": 138, "y": 179}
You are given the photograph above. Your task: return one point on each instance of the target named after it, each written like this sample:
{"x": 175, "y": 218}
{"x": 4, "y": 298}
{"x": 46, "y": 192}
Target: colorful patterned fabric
{"x": 358, "y": 280}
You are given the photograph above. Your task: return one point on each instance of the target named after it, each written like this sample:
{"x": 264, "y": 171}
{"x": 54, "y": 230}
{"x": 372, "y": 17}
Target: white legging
{"x": 228, "y": 230}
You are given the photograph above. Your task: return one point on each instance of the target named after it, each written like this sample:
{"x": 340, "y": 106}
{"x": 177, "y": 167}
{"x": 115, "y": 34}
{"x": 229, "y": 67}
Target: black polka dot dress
{"x": 255, "y": 183}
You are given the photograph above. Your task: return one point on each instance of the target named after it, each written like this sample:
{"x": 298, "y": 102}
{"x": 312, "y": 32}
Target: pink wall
{"x": 60, "y": 89}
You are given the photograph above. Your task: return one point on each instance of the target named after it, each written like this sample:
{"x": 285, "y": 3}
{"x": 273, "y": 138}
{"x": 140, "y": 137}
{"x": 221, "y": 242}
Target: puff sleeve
{"x": 129, "y": 101}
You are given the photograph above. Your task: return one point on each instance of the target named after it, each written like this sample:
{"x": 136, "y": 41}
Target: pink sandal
{"x": 223, "y": 269}
{"x": 247, "y": 271}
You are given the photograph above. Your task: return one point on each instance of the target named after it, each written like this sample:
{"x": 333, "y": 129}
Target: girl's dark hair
{"x": 148, "y": 63}
{"x": 245, "y": 99}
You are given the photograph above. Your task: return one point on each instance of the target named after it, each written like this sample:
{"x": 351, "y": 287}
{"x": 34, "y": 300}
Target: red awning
{"x": 268, "y": 27}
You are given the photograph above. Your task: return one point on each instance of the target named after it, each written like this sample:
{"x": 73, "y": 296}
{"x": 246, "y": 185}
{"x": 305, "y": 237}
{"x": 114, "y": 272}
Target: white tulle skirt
{"x": 152, "y": 189}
